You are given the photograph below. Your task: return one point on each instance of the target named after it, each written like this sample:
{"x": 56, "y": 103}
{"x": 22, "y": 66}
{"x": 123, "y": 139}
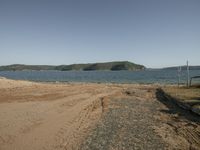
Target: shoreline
{"x": 92, "y": 82}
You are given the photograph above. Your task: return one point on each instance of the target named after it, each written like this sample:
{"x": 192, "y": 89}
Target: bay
{"x": 160, "y": 76}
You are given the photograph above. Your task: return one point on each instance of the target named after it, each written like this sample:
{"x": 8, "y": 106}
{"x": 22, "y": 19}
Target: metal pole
{"x": 188, "y": 74}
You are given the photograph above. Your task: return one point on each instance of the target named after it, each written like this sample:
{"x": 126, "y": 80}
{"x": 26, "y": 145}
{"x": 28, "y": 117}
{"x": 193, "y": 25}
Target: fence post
{"x": 188, "y": 74}
{"x": 179, "y": 75}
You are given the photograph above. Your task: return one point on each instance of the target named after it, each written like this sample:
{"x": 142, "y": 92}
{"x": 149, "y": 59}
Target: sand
{"x": 48, "y": 116}
{"x": 60, "y": 116}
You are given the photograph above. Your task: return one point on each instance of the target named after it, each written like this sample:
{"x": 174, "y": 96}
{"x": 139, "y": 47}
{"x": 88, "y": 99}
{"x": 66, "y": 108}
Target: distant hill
{"x": 20, "y": 67}
{"x": 113, "y": 66}
{"x": 183, "y": 68}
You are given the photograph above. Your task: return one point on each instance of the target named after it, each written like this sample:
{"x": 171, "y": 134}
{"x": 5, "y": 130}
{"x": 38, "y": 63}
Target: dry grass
{"x": 183, "y": 93}
{"x": 189, "y": 96}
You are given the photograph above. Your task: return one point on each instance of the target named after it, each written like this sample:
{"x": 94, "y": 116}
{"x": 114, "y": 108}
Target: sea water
{"x": 145, "y": 76}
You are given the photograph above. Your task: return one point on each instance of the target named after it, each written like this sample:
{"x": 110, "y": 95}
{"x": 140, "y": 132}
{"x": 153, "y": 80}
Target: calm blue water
{"x": 147, "y": 76}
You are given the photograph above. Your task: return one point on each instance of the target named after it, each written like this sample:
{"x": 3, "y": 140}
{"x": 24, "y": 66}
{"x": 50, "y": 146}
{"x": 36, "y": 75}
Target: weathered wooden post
{"x": 188, "y": 74}
{"x": 179, "y": 75}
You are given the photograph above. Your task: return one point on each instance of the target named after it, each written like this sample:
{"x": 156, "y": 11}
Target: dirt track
{"x": 48, "y": 116}
{"x": 67, "y": 116}
{"x": 144, "y": 120}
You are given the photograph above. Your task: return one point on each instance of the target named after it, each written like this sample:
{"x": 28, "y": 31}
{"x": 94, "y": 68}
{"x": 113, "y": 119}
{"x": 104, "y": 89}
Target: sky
{"x": 155, "y": 33}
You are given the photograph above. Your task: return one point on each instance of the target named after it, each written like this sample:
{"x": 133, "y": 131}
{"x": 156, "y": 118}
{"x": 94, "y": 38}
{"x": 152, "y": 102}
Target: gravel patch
{"x": 127, "y": 125}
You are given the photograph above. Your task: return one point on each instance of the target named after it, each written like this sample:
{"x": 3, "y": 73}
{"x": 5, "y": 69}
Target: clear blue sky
{"x": 155, "y": 33}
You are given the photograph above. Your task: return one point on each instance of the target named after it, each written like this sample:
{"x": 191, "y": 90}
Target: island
{"x": 111, "y": 66}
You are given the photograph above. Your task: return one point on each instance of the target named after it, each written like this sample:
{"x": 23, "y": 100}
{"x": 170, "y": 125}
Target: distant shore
{"x": 112, "y": 66}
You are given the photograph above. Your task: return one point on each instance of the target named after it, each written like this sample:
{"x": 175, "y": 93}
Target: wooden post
{"x": 179, "y": 75}
{"x": 188, "y": 74}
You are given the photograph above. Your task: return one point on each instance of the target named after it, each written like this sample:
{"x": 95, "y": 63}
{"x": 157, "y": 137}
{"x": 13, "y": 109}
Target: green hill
{"x": 113, "y": 66}
{"x": 20, "y": 67}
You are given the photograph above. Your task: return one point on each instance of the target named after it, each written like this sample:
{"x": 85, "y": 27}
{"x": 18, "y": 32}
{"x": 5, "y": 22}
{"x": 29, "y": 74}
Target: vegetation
{"x": 184, "y": 93}
{"x": 113, "y": 66}
{"x": 20, "y": 67}
{"x": 190, "y": 96}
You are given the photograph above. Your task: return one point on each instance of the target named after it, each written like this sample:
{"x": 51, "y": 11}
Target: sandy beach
{"x": 59, "y": 116}
{"x": 49, "y": 116}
